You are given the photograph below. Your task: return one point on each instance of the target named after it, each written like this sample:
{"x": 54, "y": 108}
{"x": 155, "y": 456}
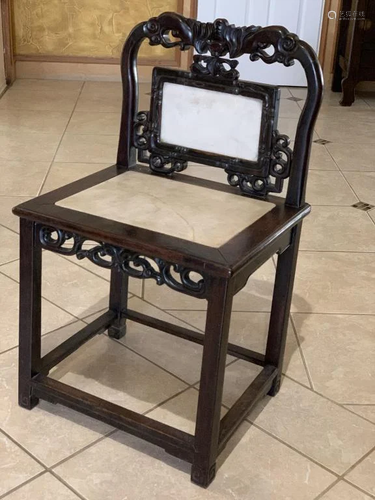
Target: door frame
{"x": 7, "y": 25}
{"x": 328, "y": 40}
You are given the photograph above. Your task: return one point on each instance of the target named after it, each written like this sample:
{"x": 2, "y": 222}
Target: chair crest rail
{"x": 220, "y": 38}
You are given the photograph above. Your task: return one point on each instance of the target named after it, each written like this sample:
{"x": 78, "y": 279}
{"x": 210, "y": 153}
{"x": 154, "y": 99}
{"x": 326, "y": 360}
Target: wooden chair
{"x": 240, "y": 225}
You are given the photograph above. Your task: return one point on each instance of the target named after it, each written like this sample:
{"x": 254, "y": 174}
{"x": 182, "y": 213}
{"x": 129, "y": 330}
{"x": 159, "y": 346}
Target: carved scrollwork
{"x": 220, "y": 38}
{"x": 281, "y": 157}
{"x": 56, "y": 239}
{"x": 142, "y": 130}
{"x": 284, "y": 46}
{"x": 280, "y": 164}
{"x": 131, "y": 263}
{"x": 215, "y": 66}
{"x": 166, "y": 164}
{"x": 251, "y": 184}
{"x": 161, "y": 35}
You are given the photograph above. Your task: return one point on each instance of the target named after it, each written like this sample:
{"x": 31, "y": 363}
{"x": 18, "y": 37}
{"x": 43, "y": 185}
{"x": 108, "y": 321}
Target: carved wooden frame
{"x": 161, "y": 153}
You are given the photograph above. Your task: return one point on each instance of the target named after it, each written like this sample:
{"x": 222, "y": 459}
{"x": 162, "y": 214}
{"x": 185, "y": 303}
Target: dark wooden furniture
{"x": 135, "y": 251}
{"x": 355, "y": 52}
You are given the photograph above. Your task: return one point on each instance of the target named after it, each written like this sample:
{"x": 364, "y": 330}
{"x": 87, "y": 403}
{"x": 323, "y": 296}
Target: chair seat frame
{"x": 128, "y": 251}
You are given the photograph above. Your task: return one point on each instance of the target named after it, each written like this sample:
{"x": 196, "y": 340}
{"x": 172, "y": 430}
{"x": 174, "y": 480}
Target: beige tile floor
{"x": 316, "y": 440}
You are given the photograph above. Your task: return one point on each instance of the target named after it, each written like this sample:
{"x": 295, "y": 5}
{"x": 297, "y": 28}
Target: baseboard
{"x": 75, "y": 71}
{"x": 366, "y": 86}
{"x": 3, "y": 89}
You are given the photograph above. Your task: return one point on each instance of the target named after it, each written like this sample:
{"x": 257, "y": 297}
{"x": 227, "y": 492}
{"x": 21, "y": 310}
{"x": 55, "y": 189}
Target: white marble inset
{"x": 168, "y": 206}
{"x": 211, "y": 121}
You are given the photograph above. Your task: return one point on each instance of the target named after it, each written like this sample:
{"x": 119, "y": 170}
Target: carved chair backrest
{"x": 255, "y": 171}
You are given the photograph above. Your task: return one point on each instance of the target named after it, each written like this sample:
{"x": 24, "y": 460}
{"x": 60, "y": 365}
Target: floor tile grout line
{"x": 9, "y": 229}
{"x": 159, "y": 405}
{"x": 165, "y": 311}
{"x": 291, "y": 447}
{"x": 25, "y": 450}
{"x": 46, "y": 299}
{"x": 67, "y": 485}
{"x": 339, "y": 251}
{"x": 304, "y": 362}
{"x": 340, "y": 477}
{"x": 355, "y": 486}
{"x": 25, "y": 483}
{"x": 61, "y": 139}
{"x": 9, "y": 262}
{"x": 334, "y": 251}
{"x": 329, "y": 488}
{"x": 340, "y": 405}
{"x": 342, "y": 174}
{"x": 333, "y": 313}
{"x": 84, "y": 448}
{"x": 84, "y": 268}
{"x": 369, "y": 216}
{"x": 359, "y": 404}
{"x": 101, "y": 311}
{"x": 150, "y": 361}
{"x": 352, "y": 188}
{"x": 344, "y": 405}
{"x": 268, "y": 312}
{"x": 44, "y": 335}
{"x": 360, "y": 460}
{"x": 332, "y": 204}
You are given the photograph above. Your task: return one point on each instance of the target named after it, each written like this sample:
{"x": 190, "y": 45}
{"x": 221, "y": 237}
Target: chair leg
{"x": 282, "y": 297}
{"x": 211, "y": 383}
{"x": 118, "y": 302}
{"x": 30, "y": 312}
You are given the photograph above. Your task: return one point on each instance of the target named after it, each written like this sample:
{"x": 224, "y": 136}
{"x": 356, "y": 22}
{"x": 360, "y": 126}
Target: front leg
{"x": 211, "y": 383}
{"x": 30, "y": 312}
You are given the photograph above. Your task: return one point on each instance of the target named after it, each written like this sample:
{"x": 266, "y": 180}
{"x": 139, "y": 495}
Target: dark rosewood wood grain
{"x": 225, "y": 270}
{"x": 215, "y": 348}
{"x": 282, "y": 297}
{"x": 118, "y": 302}
{"x": 30, "y": 312}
